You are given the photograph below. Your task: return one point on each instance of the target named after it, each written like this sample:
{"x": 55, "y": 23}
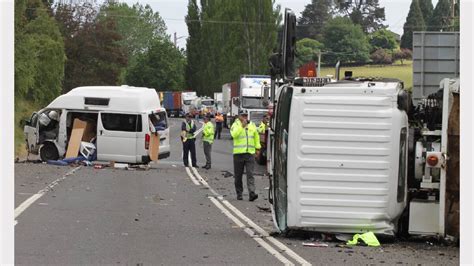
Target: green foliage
{"x": 345, "y": 41}
{"x": 94, "y": 54}
{"x": 402, "y": 54}
{"x": 414, "y": 22}
{"x": 138, "y": 25}
{"x": 39, "y": 53}
{"x": 313, "y": 19}
{"x": 161, "y": 67}
{"x": 381, "y": 56}
{"x": 426, "y": 7}
{"x": 227, "y": 39}
{"x": 382, "y": 39}
{"x": 306, "y": 51}
{"x": 368, "y": 14}
{"x": 193, "y": 68}
{"x": 441, "y": 20}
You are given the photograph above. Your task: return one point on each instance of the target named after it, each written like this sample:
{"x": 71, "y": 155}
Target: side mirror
{"x": 266, "y": 94}
{"x": 289, "y": 45}
{"x": 24, "y": 122}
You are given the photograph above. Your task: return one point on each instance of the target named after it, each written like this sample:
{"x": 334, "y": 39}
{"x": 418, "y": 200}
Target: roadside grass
{"x": 23, "y": 110}
{"x": 397, "y": 70}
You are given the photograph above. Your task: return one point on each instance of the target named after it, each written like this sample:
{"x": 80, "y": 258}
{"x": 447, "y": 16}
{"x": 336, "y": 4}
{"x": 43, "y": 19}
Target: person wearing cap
{"x": 246, "y": 143}
{"x": 187, "y": 136}
{"x": 219, "y": 120}
{"x": 207, "y": 140}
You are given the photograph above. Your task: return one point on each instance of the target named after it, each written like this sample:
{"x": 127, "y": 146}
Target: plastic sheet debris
{"x": 315, "y": 244}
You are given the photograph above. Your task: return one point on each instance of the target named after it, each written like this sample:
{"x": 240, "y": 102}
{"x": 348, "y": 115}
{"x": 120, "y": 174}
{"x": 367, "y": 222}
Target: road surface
{"x": 170, "y": 215}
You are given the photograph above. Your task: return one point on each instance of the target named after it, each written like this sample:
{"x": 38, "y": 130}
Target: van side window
{"x": 121, "y": 122}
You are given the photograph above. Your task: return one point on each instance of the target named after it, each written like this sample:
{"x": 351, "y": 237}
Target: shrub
{"x": 381, "y": 56}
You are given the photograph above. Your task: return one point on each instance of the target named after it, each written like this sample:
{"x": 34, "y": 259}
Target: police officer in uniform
{"x": 188, "y": 128}
{"x": 246, "y": 143}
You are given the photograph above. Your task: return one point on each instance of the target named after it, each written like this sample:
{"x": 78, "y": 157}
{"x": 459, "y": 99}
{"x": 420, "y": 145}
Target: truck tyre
{"x": 48, "y": 152}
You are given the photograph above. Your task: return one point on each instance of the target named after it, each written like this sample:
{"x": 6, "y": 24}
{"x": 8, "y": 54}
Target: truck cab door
{"x": 31, "y": 131}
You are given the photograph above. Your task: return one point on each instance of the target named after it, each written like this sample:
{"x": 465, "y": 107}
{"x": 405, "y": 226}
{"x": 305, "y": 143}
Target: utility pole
{"x": 176, "y": 38}
{"x": 319, "y": 63}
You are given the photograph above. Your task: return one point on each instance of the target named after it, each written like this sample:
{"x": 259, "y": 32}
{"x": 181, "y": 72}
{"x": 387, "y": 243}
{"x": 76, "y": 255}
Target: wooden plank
{"x": 75, "y": 138}
{"x": 154, "y": 148}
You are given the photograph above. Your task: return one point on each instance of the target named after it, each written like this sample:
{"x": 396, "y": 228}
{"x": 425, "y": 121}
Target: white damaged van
{"x": 122, "y": 117}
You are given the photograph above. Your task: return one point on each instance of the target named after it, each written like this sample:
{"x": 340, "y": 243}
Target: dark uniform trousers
{"x": 189, "y": 146}
{"x": 246, "y": 160}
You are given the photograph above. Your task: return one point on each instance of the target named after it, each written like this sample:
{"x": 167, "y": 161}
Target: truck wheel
{"x": 48, "y": 152}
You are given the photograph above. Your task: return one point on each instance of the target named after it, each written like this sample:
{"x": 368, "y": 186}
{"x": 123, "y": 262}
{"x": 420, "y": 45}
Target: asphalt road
{"x": 171, "y": 216}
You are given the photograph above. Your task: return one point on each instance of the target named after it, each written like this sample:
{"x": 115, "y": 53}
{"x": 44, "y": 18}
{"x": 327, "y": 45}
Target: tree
{"x": 402, "y": 54}
{"x": 426, "y": 7}
{"x": 381, "y": 56}
{"x": 161, "y": 67}
{"x": 313, "y": 18}
{"x": 94, "y": 54}
{"x": 39, "y": 53}
{"x": 193, "y": 47}
{"x": 138, "y": 25}
{"x": 413, "y": 23}
{"x": 382, "y": 39}
{"x": 346, "y": 42}
{"x": 441, "y": 20}
{"x": 232, "y": 38}
{"x": 306, "y": 51}
{"x": 368, "y": 14}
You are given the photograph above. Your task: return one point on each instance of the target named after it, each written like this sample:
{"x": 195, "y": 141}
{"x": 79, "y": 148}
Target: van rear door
{"x": 117, "y": 136}
{"x": 159, "y": 120}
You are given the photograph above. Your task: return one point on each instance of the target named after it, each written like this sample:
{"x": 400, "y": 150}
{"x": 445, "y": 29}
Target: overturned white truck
{"x": 355, "y": 155}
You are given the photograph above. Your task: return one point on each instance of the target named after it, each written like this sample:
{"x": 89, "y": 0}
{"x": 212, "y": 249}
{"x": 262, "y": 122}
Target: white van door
{"x": 117, "y": 136}
{"x": 159, "y": 120}
{"x": 31, "y": 131}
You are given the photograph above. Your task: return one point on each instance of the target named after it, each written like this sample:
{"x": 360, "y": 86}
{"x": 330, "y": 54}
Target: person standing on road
{"x": 188, "y": 128}
{"x": 246, "y": 143}
{"x": 263, "y": 125}
{"x": 207, "y": 139}
{"x": 219, "y": 120}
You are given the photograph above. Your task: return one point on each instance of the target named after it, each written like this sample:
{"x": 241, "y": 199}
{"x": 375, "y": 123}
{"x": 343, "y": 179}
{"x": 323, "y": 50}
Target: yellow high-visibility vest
{"x": 246, "y": 140}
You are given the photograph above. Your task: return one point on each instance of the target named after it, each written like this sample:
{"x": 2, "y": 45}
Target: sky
{"x": 174, "y": 11}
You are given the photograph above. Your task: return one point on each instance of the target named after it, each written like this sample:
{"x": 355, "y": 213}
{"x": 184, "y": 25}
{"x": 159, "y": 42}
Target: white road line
{"x": 191, "y": 176}
{"x": 226, "y": 212}
{"x": 265, "y": 234}
{"x": 272, "y": 251}
{"x": 254, "y": 226}
{"x": 249, "y": 231}
{"x": 27, "y": 203}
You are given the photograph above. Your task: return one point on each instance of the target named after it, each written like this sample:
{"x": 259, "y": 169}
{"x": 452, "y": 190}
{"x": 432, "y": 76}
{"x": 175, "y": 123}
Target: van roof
{"x": 120, "y": 99}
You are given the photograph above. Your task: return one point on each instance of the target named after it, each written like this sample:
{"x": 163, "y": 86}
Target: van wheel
{"x": 48, "y": 152}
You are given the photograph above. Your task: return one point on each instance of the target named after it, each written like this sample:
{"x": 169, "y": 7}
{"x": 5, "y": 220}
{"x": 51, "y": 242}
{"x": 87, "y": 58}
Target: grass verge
{"x": 23, "y": 110}
{"x": 403, "y": 72}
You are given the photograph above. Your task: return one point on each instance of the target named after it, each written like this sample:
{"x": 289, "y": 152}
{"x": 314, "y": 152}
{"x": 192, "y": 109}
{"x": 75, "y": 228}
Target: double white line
{"x": 248, "y": 226}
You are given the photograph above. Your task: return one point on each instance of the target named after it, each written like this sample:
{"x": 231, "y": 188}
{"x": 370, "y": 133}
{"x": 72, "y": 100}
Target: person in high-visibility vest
{"x": 187, "y": 136}
{"x": 263, "y": 125}
{"x": 219, "y": 120}
{"x": 207, "y": 140}
{"x": 246, "y": 143}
